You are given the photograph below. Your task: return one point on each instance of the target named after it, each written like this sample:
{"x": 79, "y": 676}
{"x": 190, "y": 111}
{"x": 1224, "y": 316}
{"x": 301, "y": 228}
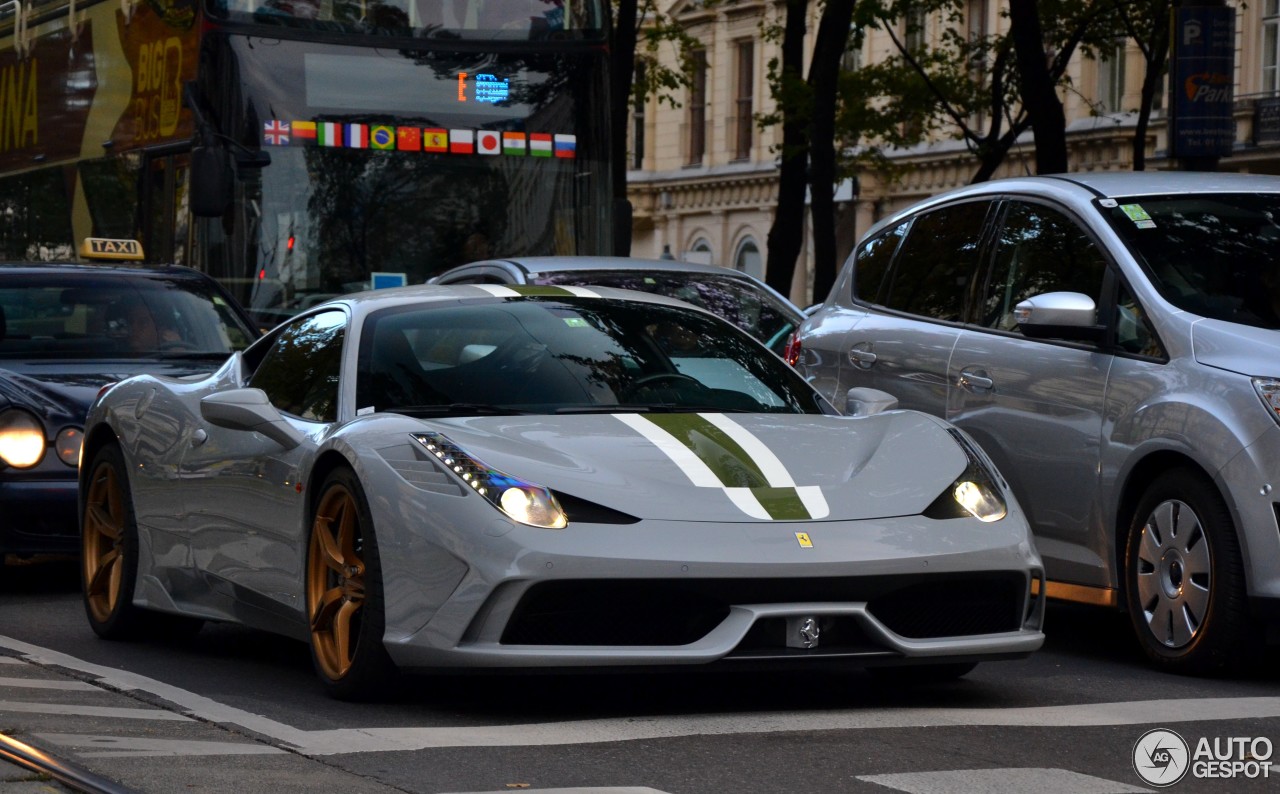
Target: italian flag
{"x": 328, "y": 133}
{"x": 513, "y": 143}
{"x": 540, "y": 144}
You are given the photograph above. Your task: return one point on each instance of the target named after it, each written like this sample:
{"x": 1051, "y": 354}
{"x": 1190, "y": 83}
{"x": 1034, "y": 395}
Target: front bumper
{"x": 666, "y": 593}
{"x": 39, "y": 516}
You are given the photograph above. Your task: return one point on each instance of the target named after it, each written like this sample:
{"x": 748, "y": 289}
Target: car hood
{"x": 63, "y": 389}
{"x": 724, "y": 467}
{"x": 1236, "y": 348}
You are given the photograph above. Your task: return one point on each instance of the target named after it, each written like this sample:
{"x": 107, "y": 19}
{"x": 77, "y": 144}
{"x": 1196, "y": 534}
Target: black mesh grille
{"x": 952, "y": 609}
{"x": 646, "y": 612}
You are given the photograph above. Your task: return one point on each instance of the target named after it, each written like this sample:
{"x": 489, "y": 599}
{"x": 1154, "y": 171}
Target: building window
{"x": 637, "y": 116}
{"x": 748, "y": 259}
{"x": 745, "y": 109}
{"x": 699, "y": 253}
{"x": 1111, "y": 79}
{"x": 698, "y": 107}
{"x": 914, "y": 35}
{"x": 851, "y": 61}
{"x": 1271, "y": 46}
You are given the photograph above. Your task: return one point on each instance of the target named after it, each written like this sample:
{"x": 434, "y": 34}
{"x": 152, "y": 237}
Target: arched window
{"x": 748, "y": 258}
{"x": 699, "y": 252}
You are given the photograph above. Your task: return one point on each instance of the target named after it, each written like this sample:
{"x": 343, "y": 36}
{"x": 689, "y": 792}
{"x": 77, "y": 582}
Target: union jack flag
{"x": 276, "y": 133}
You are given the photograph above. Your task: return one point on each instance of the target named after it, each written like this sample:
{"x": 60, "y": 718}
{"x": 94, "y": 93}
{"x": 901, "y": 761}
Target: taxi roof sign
{"x": 108, "y": 248}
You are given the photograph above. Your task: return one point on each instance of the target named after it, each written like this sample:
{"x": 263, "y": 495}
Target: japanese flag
{"x": 488, "y": 142}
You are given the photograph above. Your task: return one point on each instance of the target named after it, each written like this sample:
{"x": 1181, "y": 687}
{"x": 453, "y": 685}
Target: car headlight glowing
{"x": 21, "y": 439}
{"x": 976, "y": 492}
{"x": 1269, "y": 390}
{"x": 67, "y": 445}
{"x": 521, "y": 501}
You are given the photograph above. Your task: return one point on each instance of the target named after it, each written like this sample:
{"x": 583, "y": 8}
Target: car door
{"x": 903, "y": 344}
{"x": 1036, "y": 405}
{"x": 244, "y": 494}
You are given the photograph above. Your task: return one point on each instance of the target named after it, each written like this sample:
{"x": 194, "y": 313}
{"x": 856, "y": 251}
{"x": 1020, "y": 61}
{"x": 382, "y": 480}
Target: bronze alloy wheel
{"x": 335, "y": 581}
{"x": 102, "y": 541}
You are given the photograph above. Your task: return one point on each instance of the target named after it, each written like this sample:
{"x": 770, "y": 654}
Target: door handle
{"x": 862, "y": 358}
{"x": 976, "y": 379}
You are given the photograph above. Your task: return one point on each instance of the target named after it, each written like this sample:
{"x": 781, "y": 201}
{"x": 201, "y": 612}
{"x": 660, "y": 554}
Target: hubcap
{"x": 335, "y": 582}
{"x": 102, "y": 552}
{"x": 1174, "y": 571}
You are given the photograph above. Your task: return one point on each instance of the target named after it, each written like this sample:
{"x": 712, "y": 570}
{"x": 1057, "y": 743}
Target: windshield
{"x": 567, "y": 355}
{"x": 1216, "y": 255}
{"x": 55, "y": 315}
{"x": 442, "y": 19}
{"x": 741, "y": 302}
{"x": 390, "y": 166}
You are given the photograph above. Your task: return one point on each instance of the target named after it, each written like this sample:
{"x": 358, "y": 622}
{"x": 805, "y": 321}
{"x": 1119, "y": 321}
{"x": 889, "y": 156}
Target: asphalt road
{"x": 237, "y": 710}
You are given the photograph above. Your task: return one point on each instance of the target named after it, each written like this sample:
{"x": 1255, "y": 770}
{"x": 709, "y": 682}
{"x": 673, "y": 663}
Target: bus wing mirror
{"x": 212, "y": 179}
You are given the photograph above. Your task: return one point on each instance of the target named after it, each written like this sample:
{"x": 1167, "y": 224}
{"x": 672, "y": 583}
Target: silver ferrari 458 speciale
{"x": 478, "y": 476}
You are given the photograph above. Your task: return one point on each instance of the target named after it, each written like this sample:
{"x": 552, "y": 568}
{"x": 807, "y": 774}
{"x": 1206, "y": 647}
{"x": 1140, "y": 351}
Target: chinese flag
{"x": 409, "y": 139}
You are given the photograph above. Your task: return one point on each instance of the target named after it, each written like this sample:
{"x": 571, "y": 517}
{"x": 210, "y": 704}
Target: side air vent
{"x": 420, "y": 470}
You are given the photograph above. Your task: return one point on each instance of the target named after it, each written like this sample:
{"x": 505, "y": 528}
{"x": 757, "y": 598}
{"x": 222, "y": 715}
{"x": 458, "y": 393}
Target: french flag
{"x": 566, "y": 146}
{"x": 357, "y": 136}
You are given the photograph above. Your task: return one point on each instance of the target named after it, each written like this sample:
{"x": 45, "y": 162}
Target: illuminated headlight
{"x": 1269, "y": 390}
{"x": 68, "y": 444}
{"x": 21, "y": 439}
{"x": 524, "y": 502}
{"x": 976, "y": 492}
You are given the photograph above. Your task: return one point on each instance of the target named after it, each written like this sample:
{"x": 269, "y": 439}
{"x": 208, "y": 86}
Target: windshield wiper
{"x": 462, "y": 409}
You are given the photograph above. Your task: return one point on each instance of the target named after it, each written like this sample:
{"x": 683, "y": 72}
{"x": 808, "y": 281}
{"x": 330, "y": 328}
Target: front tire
{"x": 1184, "y": 577}
{"x": 344, "y": 593}
{"x": 109, "y": 549}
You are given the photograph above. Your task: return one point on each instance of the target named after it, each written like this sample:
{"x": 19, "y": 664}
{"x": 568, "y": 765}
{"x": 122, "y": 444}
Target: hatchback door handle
{"x": 863, "y": 358}
{"x": 976, "y": 379}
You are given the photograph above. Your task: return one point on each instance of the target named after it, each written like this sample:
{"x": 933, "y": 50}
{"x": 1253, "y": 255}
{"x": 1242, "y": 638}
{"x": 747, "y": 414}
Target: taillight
{"x": 791, "y": 353}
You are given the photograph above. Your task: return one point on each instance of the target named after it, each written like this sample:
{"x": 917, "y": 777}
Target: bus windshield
{"x": 388, "y": 166}
{"x": 443, "y": 19}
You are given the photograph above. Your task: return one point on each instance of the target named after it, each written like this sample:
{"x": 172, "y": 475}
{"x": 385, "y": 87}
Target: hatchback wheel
{"x": 344, "y": 593}
{"x": 1184, "y": 579}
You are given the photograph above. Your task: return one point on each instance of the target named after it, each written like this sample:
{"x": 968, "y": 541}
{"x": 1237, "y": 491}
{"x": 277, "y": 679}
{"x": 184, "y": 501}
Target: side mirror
{"x": 212, "y": 181}
{"x": 249, "y": 409}
{"x": 863, "y": 401}
{"x": 1059, "y": 315}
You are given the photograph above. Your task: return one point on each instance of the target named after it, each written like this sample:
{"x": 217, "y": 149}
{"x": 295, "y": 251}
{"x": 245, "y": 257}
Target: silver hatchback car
{"x": 1113, "y": 341}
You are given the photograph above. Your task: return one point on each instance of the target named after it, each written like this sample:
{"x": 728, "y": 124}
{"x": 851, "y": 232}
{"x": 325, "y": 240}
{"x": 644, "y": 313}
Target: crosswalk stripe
{"x": 11, "y": 660}
{"x": 79, "y": 710}
{"x": 136, "y": 746}
{"x": 580, "y": 790}
{"x": 1041, "y": 781}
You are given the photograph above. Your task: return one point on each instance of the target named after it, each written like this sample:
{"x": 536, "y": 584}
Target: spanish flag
{"x": 434, "y": 140}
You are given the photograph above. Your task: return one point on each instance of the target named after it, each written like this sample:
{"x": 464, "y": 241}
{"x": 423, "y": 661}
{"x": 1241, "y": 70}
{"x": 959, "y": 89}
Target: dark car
{"x": 65, "y": 332}
{"x": 739, "y": 298}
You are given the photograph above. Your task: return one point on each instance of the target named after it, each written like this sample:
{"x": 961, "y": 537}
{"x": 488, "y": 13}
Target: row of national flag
{"x": 417, "y": 139}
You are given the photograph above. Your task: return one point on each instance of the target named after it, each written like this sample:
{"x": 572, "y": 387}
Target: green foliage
{"x": 658, "y": 31}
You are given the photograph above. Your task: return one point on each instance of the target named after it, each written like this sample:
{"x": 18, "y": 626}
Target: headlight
{"x": 524, "y": 502}
{"x": 1269, "y": 390}
{"x": 976, "y": 492}
{"x": 67, "y": 445}
{"x": 21, "y": 439}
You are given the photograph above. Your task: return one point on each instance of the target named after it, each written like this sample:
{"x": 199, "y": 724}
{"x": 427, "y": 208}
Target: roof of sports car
{"x": 373, "y": 300}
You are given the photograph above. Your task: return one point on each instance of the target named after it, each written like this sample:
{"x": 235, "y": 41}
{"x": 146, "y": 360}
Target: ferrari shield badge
{"x": 803, "y": 539}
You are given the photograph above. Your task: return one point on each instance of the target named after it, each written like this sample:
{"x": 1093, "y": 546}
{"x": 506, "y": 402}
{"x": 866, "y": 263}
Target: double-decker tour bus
{"x": 297, "y": 149}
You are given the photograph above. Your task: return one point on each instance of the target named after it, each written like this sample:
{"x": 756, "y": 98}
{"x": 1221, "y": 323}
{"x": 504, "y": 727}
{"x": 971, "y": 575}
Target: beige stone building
{"x": 703, "y": 177}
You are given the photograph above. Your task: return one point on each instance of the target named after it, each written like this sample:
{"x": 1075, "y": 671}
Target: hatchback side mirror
{"x": 249, "y": 409}
{"x": 1059, "y": 315}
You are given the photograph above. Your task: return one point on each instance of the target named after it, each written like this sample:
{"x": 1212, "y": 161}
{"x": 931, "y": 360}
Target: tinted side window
{"x": 300, "y": 370}
{"x": 937, "y": 261}
{"x": 871, "y": 263}
{"x": 1038, "y": 250}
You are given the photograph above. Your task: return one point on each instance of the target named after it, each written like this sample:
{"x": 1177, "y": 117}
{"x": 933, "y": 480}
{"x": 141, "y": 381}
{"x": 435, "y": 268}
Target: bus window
{"x": 35, "y": 216}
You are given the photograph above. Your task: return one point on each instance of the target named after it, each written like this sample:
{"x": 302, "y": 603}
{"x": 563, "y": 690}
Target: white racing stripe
{"x": 581, "y": 292}
{"x": 774, "y": 472}
{"x": 497, "y": 290}
{"x": 621, "y": 729}
{"x": 699, "y": 473}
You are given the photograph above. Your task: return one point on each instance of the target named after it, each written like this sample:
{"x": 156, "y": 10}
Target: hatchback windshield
{"x": 72, "y": 315}
{"x": 568, "y": 355}
{"x": 1214, "y": 254}
{"x": 739, "y": 301}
